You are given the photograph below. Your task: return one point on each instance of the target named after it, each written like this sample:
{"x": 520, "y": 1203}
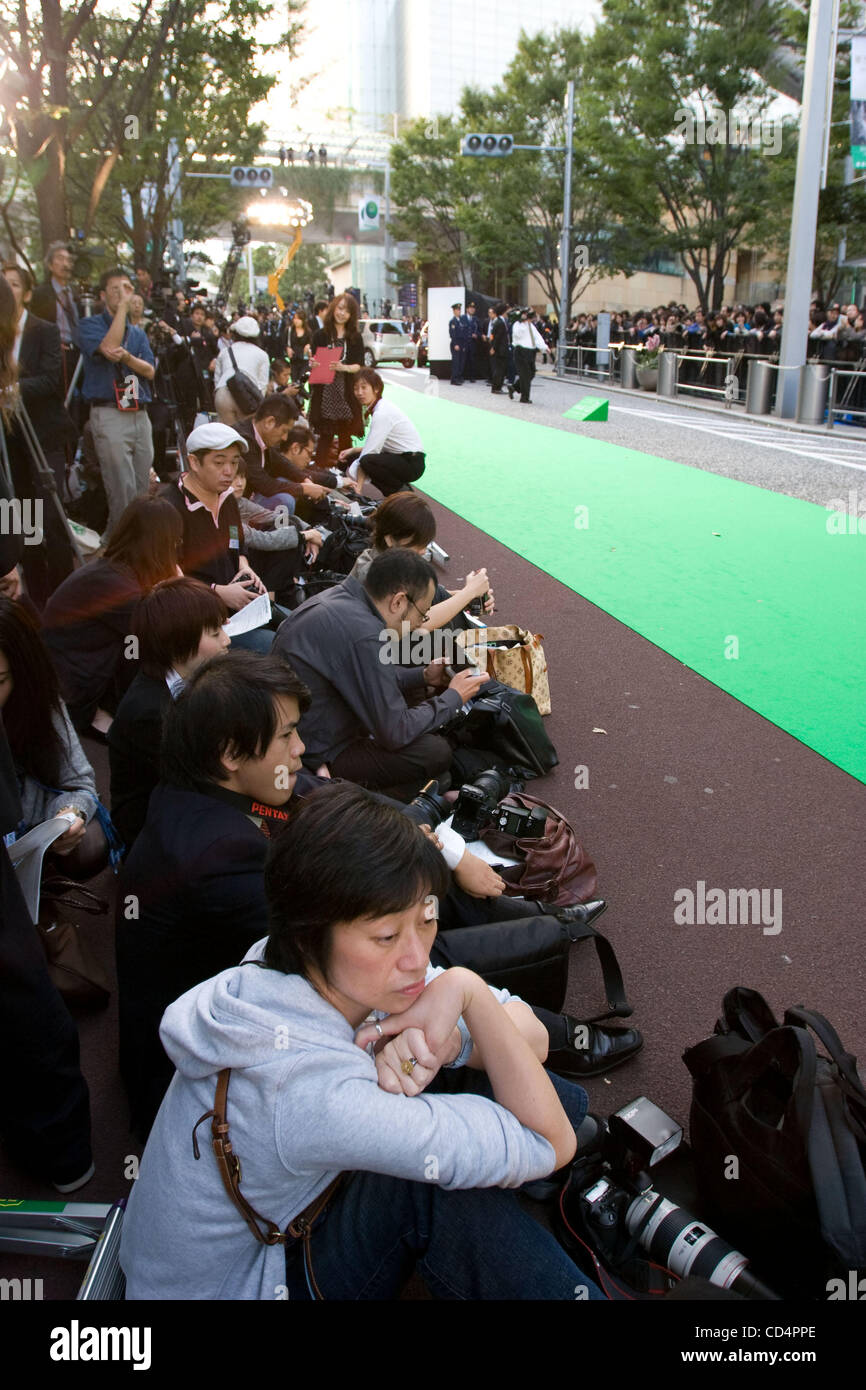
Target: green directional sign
{"x": 589, "y": 408}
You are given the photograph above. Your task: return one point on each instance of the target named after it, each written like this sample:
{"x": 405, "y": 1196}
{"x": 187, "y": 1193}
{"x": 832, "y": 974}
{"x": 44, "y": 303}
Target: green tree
{"x": 654, "y": 74}
{"x": 95, "y": 100}
{"x": 429, "y": 185}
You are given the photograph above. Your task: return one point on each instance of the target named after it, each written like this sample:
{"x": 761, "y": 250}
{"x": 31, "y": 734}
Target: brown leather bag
{"x": 72, "y": 963}
{"x": 555, "y": 869}
{"x": 230, "y": 1171}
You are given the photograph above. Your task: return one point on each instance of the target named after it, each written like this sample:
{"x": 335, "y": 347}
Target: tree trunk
{"x": 50, "y": 189}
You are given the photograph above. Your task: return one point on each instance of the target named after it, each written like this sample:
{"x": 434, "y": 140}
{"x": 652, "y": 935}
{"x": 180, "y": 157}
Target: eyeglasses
{"x": 424, "y": 616}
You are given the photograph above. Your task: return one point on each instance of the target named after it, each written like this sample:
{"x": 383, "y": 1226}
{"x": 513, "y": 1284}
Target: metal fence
{"x": 742, "y": 380}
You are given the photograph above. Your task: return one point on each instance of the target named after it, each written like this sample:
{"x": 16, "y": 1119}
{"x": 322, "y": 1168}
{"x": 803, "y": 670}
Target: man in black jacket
{"x": 361, "y": 724}
{"x": 498, "y": 350}
{"x": 279, "y": 448}
{"x": 47, "y": 563}
{"x": 178, "y": 626}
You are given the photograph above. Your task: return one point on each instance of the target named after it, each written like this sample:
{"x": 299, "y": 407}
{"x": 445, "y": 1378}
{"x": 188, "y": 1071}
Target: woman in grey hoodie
{"x": 337, "y": 1030}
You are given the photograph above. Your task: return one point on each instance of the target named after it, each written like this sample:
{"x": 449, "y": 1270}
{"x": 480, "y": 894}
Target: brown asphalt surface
{"x": 685, "y": 784}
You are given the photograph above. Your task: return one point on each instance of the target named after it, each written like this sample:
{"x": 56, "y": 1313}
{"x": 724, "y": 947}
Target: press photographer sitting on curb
{"x": 191, "y": 897}
{"x": 352, "y": 894}
{"x": 361, "y": 724}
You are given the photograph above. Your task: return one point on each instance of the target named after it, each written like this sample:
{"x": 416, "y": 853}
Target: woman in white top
{"x": 248, "y": 358}
{"x": 391, "y": 455}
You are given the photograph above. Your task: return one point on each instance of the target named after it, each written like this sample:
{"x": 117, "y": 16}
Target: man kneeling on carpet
{"x": 411, "y": 1127}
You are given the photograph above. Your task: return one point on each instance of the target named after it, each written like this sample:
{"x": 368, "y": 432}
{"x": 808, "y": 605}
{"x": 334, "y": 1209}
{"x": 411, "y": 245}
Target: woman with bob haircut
{"x": 89, "y": 616}
{"x": 391, "y": 455}
{"x": 334, "y": 1034}
{"x": 406, "y": 521}
{"x": 333, "y": 408}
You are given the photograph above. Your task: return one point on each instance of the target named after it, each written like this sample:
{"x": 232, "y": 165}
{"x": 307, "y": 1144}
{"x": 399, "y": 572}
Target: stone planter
{"x": 648, "y": 378}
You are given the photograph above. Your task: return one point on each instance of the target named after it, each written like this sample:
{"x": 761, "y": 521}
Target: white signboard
{"x": 439, "y": 311}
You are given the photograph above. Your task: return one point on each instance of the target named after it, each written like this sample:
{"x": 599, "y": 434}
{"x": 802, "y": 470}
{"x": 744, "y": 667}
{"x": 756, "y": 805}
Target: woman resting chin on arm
{"x": 352, "y": 887}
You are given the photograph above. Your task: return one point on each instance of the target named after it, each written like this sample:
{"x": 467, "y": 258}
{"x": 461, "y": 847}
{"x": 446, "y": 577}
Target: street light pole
{"x": 817, "y": 91}
{"x": 565, "y": 242}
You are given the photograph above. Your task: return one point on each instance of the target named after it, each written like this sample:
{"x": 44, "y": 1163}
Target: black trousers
{"x": 391, "y": 472}
{"x": 45, "y": 1115}
{"x": 497, "y": 372}
{"x": 524, "y": 360}
{"x": 401, "y": 772}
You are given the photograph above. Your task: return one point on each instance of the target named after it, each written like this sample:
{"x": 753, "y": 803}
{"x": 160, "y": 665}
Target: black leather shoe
{"x": 511, "y": 393}
{"x": 584, "y": 913}
{"x": 593, "y": 1049}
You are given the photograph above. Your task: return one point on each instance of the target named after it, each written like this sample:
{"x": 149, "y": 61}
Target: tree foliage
{"x": 95, "y": 101}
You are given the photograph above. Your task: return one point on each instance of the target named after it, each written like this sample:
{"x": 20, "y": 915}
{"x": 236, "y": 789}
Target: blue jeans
{"x": 476, "y": 1244}
{"x": 261, "y": 639}
{"x": 279, "y": 499}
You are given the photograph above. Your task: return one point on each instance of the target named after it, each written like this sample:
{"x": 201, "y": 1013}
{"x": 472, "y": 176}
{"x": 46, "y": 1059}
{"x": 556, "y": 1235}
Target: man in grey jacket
{"x": 361, "y": 723}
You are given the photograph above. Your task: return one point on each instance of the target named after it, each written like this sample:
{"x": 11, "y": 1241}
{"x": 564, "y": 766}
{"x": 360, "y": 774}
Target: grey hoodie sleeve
{"x": 340, "y": 1120}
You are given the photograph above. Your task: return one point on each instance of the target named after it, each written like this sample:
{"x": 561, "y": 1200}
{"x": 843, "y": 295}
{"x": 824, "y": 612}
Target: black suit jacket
{"x": 273, "y": 472}
{"x": 40, "y": 378}
{"x": 133, "y": 753}
{"x": 196, "y": 878}
{"x": 499, "y": 338}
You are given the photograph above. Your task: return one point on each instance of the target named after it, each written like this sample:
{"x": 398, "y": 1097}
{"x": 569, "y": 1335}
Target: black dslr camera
{"x": 477, "y": 807}
{"x": 610, "y": 1205}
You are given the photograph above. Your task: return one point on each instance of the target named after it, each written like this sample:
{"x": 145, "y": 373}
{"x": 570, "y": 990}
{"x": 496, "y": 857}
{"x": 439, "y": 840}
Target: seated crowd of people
{"x": 280, "y": 891}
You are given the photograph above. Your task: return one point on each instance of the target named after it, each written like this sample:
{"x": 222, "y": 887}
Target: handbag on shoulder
{"x": 243, "y": 390}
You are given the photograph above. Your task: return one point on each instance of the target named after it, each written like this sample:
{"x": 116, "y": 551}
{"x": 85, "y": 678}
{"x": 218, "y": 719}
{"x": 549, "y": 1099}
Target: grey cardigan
{"x": 76, "y": 784}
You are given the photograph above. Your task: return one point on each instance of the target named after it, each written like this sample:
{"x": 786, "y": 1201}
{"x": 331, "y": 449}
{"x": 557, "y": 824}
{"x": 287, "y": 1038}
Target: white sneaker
{"x": 79, "y": 1182}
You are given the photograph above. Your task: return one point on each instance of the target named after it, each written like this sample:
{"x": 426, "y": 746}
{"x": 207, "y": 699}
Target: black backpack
{"x": 795, "y": 1122}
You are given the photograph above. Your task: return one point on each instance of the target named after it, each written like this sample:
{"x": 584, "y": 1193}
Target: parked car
{"x": 386, "y": 340}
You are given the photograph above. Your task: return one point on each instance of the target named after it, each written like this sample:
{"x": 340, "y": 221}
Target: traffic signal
{"x": 491, "y": 146}
{"x": 248, "y": 177}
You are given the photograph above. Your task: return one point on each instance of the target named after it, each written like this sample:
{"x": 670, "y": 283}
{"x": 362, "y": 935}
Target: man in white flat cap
{"x": 212, "y": 548}
{"x": 241, "y": 355}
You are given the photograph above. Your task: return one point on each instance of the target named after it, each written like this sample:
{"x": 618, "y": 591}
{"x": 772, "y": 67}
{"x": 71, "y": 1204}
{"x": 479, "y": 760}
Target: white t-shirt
{"x": 250, "y": 359}
{"x": 390, "y": 432}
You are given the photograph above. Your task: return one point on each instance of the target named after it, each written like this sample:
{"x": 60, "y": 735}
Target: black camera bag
{"x": 796, "y": 1122}
{"x": 243, "y": 390}
{"x": 529, "y": 956}
{"x": 507, "y": 722}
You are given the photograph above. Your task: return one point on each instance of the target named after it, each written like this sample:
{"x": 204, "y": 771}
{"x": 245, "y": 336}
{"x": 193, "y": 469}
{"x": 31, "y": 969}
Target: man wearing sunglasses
{"x": 372, "y": 721}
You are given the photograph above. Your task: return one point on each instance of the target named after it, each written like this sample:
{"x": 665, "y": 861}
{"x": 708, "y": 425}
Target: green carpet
{"x": 742, "y": 585}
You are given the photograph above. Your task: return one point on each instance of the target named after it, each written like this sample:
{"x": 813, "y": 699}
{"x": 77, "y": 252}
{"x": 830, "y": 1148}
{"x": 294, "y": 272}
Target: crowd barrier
{"x": 742, "y": 380}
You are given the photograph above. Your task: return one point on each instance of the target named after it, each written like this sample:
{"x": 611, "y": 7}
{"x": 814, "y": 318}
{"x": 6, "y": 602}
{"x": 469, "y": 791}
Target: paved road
{"x": 799, "y": 463}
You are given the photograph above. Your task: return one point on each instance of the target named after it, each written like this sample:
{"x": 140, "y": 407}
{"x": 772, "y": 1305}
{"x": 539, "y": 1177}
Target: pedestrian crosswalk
{"x": 844, "y": 451}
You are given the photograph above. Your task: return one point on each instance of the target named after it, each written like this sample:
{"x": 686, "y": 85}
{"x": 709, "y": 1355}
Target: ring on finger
{"x": 408, "y": 1065}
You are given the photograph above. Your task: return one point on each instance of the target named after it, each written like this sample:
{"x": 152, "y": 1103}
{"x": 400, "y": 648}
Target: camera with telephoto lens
{"x": 477, "y": 808}
{"x": 610, "y": 1205}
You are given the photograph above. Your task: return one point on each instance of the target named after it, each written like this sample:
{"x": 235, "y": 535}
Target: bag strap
{"x": 232, "y": 356}
{"x": 614, "y": 988}
{"x": 527, "y": 669}
{"x": 845, "y": 1061}
{"x": 230, "y": 1171}
{"x": 229, "y": 1164}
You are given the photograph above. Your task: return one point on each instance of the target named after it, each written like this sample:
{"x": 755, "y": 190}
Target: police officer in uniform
{"x": 460, "y": 333}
